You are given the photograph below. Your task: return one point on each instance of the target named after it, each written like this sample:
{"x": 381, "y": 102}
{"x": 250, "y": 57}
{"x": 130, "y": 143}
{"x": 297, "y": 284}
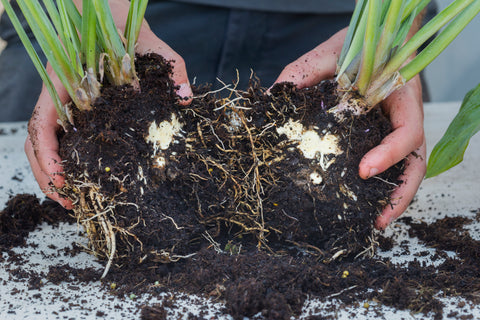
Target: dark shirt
{"x": 287, "y": 6}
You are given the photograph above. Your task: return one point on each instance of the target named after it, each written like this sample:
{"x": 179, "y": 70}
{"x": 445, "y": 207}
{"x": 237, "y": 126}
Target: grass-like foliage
{"x": 377, "y": 56}
{"x": 81, "y": 47}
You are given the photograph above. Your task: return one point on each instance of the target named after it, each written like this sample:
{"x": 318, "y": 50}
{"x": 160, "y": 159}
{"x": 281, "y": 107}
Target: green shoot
{"x": 134, "y": 23}
{"x": 412, "y": 6}
{"x": 351, "y": 32}
{"x": 89, "y": 45}
{"x": 378, "y": 34}
{"x": 76, "y": 45}
{"x": 390, "y": 29}
{"x": 371, "y": 37}
{"x": 112, "y": 44}
{"x": 425, "y": 33}
{"x": 53, "y": 49}
{"x": 440, "y": 42}
{"x": 36, "y": 61}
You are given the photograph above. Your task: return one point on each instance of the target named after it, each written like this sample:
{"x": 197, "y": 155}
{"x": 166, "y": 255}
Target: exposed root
{"x": 96, "y": 213}
{"x": 111, "y": 244}
{"x": 337, "y": 255}
{"x": 370, "y": 250}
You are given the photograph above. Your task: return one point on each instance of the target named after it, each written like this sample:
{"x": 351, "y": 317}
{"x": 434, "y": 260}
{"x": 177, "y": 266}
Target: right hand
{"x": 405, "y": 110}
{"x": 41, "y": 145}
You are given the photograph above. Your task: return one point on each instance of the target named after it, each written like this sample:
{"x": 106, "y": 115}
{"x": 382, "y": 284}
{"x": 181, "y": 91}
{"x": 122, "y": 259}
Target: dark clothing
{"x": 287, "y": 6}
{"x": 216, "y": 41}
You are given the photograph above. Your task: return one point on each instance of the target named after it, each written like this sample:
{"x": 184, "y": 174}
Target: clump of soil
{"x": 231, "y": 208}
{"x": 22, "y": 215}
{"x": 228, "y": 178}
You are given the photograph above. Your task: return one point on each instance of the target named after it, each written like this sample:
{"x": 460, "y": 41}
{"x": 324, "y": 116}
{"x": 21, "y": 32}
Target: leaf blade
{"x": 449, "y": 151}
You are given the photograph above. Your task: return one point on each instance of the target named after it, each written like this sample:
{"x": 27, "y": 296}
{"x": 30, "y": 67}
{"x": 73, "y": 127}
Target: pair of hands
{"x": 404, "y": 108}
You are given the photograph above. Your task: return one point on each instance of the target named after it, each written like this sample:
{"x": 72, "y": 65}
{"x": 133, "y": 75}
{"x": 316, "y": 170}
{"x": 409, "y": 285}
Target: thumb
{"x": 316, "y": 65}
{"x": 149, "y": 43}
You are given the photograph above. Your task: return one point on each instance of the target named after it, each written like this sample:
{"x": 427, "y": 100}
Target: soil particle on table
{"x": 23, "y": 213}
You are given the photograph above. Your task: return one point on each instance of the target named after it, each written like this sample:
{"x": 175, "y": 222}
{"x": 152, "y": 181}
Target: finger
{"x": 403, "y": 195}
{"x": 43, "y": 179}
{"x": 42, "y": 143}
{"x": 149, "y": 43}
{"x": 316, "y": 65}
{"x": 405, "y": 110}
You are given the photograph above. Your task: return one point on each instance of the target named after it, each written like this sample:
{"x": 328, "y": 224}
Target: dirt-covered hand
{"x": 404, "y": 107}
{"x": 148, "y": 42}
{"x": 41, "y": 145}
{"x": 405, "y": 110}
{"x": 316, "y": 65}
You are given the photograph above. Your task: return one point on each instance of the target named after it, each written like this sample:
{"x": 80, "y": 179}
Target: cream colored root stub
{"x": 312, "y": 145}
{"x": 162, "y": 135}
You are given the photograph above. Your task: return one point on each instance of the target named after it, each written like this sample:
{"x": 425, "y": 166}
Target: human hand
{"x": 404, "y": 108}
{"x": 41, "y": 145}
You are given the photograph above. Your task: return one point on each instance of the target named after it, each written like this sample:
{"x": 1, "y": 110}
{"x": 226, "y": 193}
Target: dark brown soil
{"x": 235, "y": 198}
{"x": 232, "y": 215}
{"x": 22, "y": 214}
{"x": 230, "y": 177}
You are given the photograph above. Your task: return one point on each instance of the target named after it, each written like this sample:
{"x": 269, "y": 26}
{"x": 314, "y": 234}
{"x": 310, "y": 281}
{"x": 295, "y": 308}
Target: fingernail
{"x": 373, "y": 172}
{"x": 184, "y": 90}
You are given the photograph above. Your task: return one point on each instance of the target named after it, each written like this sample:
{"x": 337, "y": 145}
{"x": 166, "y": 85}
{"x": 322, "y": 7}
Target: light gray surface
{"x": 456, "y": 70}
{"x": 454, "y": 193}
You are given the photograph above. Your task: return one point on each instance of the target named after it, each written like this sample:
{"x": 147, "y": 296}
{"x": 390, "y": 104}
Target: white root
{"x": 111, "y": 244}
{"x": 387, "y": 182}
{"x": 342, "y": 291}
{"x": 215, "y": 245}
{"x": 337, "y": 255}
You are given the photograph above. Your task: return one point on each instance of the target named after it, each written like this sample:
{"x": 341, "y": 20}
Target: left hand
{"x": 404, "y": 107}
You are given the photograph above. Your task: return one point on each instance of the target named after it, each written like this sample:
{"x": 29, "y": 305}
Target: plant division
{"x": 155, "y": 181}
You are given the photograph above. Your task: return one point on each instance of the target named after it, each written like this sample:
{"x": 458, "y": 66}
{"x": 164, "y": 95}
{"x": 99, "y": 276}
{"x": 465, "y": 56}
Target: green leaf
{"x": 36, "y": 60}
{"x": 51, "y": 45}
{"x": 390, "y": 27}
{"x": 365, "y": 72}
{"x": 111, "y": 40}
{"x": 449, "y": 151}
{"x": 351, "y": 31}
{"x": 422, "y": 35}
{"x": 441, "y": 41}
{"x": 89, "y": 36}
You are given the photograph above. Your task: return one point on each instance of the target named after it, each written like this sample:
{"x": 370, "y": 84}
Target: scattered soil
{"x": 252, "y": 283}
{"x": 22, "y": 214}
